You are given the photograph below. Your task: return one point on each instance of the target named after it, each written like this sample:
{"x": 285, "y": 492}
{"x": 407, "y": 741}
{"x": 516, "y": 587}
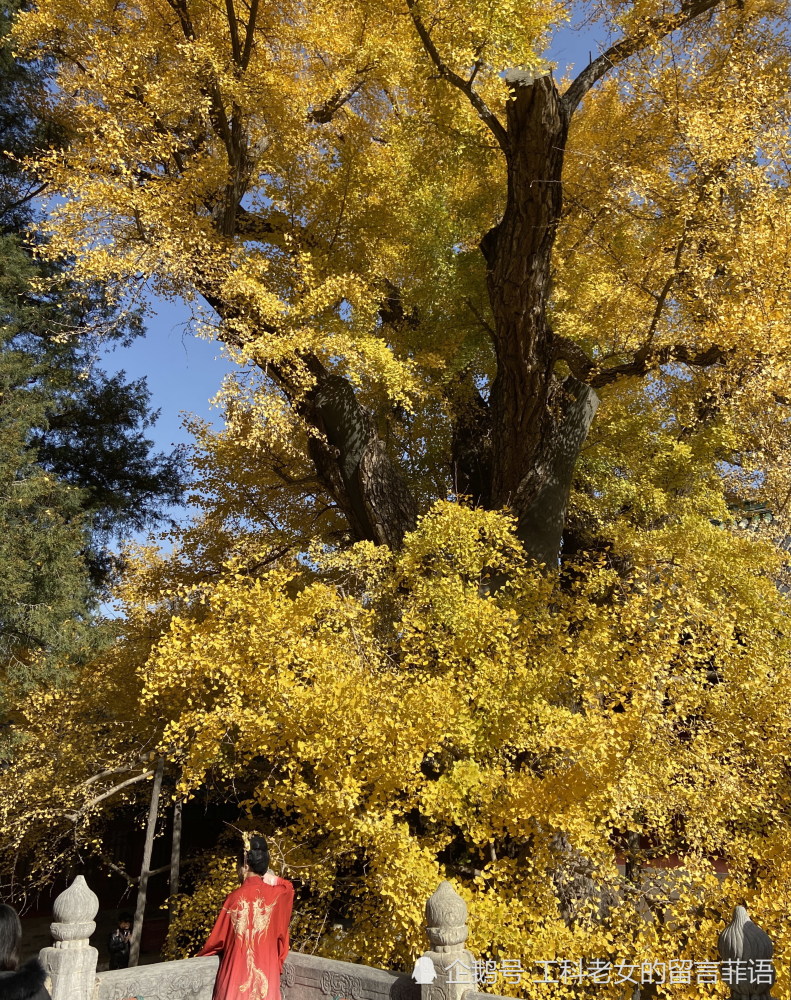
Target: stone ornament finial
{"x": 70, "y": 964}
{"x": 446, "y": 920}
{"x": 446, "y": 917}
{"x": 743, "y": 940}
{"x": 74, "y": 911}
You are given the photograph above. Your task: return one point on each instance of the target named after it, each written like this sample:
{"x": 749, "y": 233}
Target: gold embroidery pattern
{"x": 250, "y": 920}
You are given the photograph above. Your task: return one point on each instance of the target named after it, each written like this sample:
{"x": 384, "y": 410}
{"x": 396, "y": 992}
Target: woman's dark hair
{"x": 258, "y": 856}
{"x": 10, "y": 938}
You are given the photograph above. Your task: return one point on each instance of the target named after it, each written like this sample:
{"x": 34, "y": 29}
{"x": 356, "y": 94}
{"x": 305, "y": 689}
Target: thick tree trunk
{"x": 543, "y": 494}
{"x": 355, "y": 466}
{"x": 520, "y": 450}
{"x": 538, "y": 423}
{"x": 352, "y": 462}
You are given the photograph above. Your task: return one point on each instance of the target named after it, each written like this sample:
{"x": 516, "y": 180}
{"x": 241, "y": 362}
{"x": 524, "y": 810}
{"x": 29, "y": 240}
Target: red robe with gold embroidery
{"x": 251, "y": 938}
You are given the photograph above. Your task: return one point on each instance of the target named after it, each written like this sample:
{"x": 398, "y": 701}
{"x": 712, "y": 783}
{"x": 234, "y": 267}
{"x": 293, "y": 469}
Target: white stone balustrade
{"x": 71, "y": 962}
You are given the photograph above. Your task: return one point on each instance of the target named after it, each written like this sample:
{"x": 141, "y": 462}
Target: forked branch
{"x": 655, "y": 29}
{"x": 584, "y": 368}
{"x": 487, "y": 116}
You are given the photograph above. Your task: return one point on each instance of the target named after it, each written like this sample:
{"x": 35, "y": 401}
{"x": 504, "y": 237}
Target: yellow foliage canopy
{"x": 323, "y": 175}
{"x": 390, "y": 721}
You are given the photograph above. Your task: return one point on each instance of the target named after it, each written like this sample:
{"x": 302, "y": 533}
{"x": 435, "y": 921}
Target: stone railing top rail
{"x": 474, "y": 995}
{"x": 188, "y": 979}
{"x": 305, "y": 977}
{"x": 303, "y": 974}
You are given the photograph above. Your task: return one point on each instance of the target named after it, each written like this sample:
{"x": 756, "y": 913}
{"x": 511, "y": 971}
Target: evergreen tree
{"x": 76, "y": 467}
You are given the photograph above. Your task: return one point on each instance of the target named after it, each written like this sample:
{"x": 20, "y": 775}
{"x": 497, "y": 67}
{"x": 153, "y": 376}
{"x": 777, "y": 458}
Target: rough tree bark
{"x": 354, "y": 464}
{"x": 175, "y": 854}
{"x": 351, "y": 461}
{"x": 519, "y": 448}
{"x": 538, "y": 422}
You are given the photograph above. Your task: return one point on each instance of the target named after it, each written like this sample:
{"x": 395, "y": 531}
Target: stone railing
{"x": 305, "y": 977}
{"x": 71, "y": 962}
{"x": 189, "y": 979}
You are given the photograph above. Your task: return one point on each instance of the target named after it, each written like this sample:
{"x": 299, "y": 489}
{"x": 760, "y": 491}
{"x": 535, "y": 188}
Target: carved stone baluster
{"x": 446, "y": 919}
{"x": 745, "y": 942}
{"x": 70, "y": 963}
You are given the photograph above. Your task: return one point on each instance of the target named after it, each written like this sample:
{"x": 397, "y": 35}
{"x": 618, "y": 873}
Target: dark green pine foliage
{"x": 76, "y": 467}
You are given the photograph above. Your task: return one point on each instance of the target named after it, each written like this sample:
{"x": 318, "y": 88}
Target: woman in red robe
{"x": 251, "y": 932}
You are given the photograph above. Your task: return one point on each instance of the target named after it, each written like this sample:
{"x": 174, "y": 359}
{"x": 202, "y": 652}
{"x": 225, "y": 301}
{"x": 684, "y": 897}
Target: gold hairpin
{"x": 247, "y": 837}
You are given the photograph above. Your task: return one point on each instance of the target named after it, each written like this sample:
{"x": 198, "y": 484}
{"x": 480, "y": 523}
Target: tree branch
{"x": 487, "y": 116}
{"x": 234, "y": 29}
{"x": 391, "y": 311}
{"x": 130, "y": 879}
{"x": 583, "y": 366}
{"x": 248, "y": 41}
{"x": 123, "y": 769}
{"x": 487, "y": 326}
{"x": 74, "y": 816}
{"x": 575, "y": 357}
{"x": 325, "y": 112}
{"x": 350, "y": 458}
{"x": 641, "y": 363}
{"x": 269, "y": 228}
{"x": 217, "y": 114}
{"x": 656, "y": 28}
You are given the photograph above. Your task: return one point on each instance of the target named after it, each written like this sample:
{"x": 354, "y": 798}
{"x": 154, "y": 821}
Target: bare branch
{"x": 656, "y": 28}
{"x": 487, "y": 116}
{"x": 31, "y": 194}
{"x": 325, "y": 112}
{"x": 269, "y": 228}
{"x": 575, "y": 357}
{"x": 584, "y": 368}
{"x": 123, "y": 769}
{"x": 480, "y": 317}
{"x": 74, "y": 816}
{"x": 661, "y": 299}
{"x": 129, "y": 879}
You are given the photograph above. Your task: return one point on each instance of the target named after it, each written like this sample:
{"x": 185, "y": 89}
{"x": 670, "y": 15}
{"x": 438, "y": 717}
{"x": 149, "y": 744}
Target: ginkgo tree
{"x": 369, "y": 197}
{"x": 462, "y": 598}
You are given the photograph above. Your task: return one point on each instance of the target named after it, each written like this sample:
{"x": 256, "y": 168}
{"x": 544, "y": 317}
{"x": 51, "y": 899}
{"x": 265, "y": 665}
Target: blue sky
{"x": 184, "y": 372}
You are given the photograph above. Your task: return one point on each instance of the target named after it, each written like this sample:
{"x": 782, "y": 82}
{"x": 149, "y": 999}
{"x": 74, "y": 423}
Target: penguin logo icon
{"x": 424, "y": 972}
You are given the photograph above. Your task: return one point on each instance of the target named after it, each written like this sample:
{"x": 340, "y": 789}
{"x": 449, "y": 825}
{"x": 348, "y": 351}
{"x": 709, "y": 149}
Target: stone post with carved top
{"x": 747, "y": 953}
{"x": 70, "y": 963}
{"x": 446, "y": 919}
